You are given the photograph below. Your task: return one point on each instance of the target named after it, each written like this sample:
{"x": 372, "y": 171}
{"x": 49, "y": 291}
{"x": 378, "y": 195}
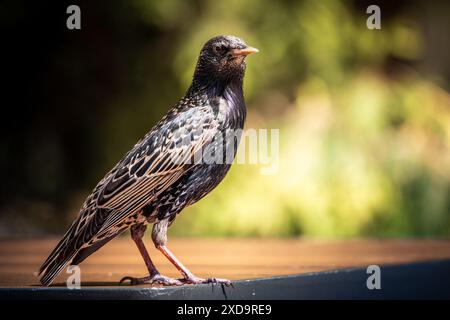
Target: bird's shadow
{"x": 92, "y": 284}
{"x": 117, "y": 285}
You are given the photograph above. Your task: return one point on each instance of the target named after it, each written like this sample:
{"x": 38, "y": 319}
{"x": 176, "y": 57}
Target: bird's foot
{"x": 152, "y": 279}
{"x": 191, "y": 279}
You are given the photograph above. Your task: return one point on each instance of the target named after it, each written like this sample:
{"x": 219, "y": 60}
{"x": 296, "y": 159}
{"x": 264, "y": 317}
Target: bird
{"x": 164, "y": 173}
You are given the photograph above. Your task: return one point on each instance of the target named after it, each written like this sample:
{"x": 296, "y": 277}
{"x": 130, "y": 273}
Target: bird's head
{"x": 222, "y": 60}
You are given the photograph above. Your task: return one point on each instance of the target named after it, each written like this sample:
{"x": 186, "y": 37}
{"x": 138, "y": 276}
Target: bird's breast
{"x": 229, "y": 110}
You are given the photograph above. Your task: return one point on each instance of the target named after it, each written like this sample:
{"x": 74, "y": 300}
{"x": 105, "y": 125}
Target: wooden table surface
{"x": 225, "y": 258}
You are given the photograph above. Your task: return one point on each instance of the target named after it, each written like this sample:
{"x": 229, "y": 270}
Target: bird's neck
{"x": 213, "y": 82}
{"x": 216, "y": 87}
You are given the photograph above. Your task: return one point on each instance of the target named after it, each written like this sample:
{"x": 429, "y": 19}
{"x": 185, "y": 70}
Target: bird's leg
{"x": 189, "y": 277}
{"x": 159, "y": 236}
{"x": 137, "y": 232}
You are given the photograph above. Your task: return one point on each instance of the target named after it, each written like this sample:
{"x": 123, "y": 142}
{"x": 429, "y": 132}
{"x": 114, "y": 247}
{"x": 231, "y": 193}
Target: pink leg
{"x": 137, "y": 232}
{"x": 188, "y": 276}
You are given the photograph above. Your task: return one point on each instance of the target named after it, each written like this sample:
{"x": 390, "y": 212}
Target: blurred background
{"x": 364, "y": 115}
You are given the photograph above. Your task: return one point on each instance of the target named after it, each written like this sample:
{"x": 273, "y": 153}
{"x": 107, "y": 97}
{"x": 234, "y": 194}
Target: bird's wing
{"x": 154, "y": 163}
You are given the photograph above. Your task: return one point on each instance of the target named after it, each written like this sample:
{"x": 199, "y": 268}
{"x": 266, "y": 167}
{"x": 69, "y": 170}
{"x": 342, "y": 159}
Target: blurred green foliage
{"x": 364, "y": 116}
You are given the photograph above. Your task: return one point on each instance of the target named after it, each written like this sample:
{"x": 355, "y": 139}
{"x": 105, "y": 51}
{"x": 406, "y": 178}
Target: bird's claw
{"x": 125, "y": 279}
{"x": 155, "y": 279}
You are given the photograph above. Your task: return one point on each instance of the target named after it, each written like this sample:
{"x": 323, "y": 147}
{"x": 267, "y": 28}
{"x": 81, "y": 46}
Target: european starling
{"x": 155, "y": 180}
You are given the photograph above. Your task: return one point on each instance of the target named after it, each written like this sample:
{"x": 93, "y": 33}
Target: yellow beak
{"x": 244, "y": 52}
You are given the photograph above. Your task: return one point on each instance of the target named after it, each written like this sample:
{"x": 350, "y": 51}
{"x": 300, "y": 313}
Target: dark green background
{"x": 364, "y": 115}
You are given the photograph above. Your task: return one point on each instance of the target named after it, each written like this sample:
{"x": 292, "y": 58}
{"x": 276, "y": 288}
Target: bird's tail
{"x": 73, "y": 247}
{"x": 60, "y": 257}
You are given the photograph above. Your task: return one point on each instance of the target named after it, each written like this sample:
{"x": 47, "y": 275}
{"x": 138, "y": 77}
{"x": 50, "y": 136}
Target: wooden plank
{"x": 225, "y": 258}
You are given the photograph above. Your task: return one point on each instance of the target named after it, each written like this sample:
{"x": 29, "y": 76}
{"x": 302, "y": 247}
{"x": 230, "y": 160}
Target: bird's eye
{"x": 219, "y": 48}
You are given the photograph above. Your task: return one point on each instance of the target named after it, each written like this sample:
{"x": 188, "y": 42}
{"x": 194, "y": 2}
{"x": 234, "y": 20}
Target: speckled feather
{"x": 147, "y": 185}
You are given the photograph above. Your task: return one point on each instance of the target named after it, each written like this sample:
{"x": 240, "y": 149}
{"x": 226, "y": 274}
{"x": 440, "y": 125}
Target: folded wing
{"x": 158, "y": 160}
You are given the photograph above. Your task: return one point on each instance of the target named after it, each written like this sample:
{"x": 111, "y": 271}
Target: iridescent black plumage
{"x": 147, "y": 185}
